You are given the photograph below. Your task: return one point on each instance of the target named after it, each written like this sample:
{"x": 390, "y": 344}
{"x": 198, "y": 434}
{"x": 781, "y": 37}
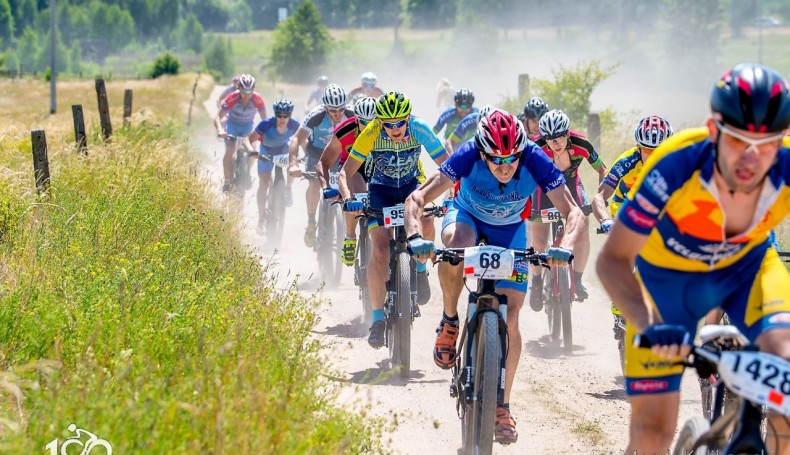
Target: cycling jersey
{"x": 272, "y": 142}
{"x": 449, "y": 118}
{"x": 391, "y": 163}
{"x": 240, "y": 114}
{"x": 359, "y": 92}
{"x": 319, "y": 125}
{"x": 228, "y": 90}
{"x": 579, "y": 149}
{"x": 483, "y": 196}
{"x": 622, "y": 176}
{"x": 346, "y": 132}
{"x": 465, "y": 129}
{"x": 675, "y": 201}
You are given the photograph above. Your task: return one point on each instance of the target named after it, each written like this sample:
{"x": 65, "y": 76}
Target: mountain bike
{"x": 331, "y": 232}
{"x": 478, "y": 377}
{"x": 400, "y": 305}
{"x": 241, "y": 166}
{"x": 558, "y": 287}
{"x": 275, "y": 212}
{"x": 756, "y": 378}
{"x": 361, "y": 261}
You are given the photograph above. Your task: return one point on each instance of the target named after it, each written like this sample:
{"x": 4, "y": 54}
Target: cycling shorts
{"x": 240, "y": 130}
{"x": 754, "y": 292}
{"x": 381, "y": 196}
{"x": 507, "y": 235}
{"x": 577, "y": 192}
{"x": 265, "y": 166}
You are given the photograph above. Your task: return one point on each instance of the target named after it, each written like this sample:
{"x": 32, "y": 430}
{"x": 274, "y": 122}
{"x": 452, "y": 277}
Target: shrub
{"x": 166, "y": 63}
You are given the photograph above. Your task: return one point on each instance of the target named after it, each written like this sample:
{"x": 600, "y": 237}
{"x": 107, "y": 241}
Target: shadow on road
{"x": 383, "y": 374}
{"x": 350, "y": 329}
{"x": 614, "y": 394}
{"x": 545, "y": 348}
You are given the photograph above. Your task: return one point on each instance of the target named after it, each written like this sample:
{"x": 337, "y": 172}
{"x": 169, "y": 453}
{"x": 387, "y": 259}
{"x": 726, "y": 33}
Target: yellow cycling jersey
{"x": 622, "y": 176}
{"x": 675, "y": 202}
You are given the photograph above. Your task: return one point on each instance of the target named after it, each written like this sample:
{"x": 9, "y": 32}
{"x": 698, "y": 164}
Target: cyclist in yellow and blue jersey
{"x": 452, "y": 116}
{"x": 390, "y": 146}
{"x": 696, "y": 225}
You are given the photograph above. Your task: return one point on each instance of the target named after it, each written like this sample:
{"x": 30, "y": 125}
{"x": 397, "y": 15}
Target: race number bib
{"x": 334, "y": 177}
{"x": 488, "y": 261}
{"x": 393, "y": 216}
{"x": 280, "y": 160}
{"x": 550, "y": 215}
{"x": 362, "y": 197}
{"x": 758, "y": 377}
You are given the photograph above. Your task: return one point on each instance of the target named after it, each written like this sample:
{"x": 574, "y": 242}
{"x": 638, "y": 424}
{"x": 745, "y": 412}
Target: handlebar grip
{"x": 600, "y": 231}
{"x": 642, "y": 341}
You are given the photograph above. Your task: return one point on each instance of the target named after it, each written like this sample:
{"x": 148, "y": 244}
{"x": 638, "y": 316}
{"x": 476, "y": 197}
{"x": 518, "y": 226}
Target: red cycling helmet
{"x": 752, "y": 97}
{"x": 500, "y": 134}
{"x": 651, "y": 131}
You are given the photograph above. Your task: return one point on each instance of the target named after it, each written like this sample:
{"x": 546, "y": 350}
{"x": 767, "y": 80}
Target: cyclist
{"x": 336, "y": 151}
{"x": 240, "y": 108}
{"x": 696, "y": 225}
{"x": 274, "y": 134}
{"x": 313, "y": 135}
{"x": 567, "y": 149}
{"x": 497, "y": 171}
{"x": 534, "y": 109}
{"x": 466, "y": 128}
{"x": 444, "y": 94}
{"x": 392, "y": 145}
{"x": 368, "y": 87}
{"x": 315, "y": 96}
{"x": 464, "y": 105}
{"x": 234, "y": 85}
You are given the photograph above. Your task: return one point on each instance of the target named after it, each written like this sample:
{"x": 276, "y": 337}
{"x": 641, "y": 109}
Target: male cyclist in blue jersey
{"x": 316, "y": 131}
{"x": 696, "y": 225}
{"x": 534, "y": 109}
{"x": 464, "y": 105}
{"x": 391, "y": 146}
{"x": 498, "y": 172}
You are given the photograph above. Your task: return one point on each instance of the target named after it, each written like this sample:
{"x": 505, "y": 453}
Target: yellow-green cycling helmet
{"x": 393, "y": 105}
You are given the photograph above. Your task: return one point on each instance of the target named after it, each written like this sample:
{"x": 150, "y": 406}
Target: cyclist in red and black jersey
{"x": 336, "y": 151}
{"x": 567, "y": 149}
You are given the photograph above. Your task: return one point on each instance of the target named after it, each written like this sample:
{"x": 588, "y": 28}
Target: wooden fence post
{"x": 127, "y": 106}
{"x": 594, "y": 130}
{"x": 79, "y": 128}
{"x": 523, "y": 86}
{"x": 40, "y": 161}
{"x": 192, "y": 101}
{"x": 104, "y": 109}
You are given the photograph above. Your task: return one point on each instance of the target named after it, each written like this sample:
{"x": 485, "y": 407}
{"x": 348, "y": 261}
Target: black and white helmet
{"x": 334, "y": 96}
{"x": 365, "y": 108}
{"x": 535, "y": 108}
{"x": 369, "y": 78}
{"x": 554, "y": 124}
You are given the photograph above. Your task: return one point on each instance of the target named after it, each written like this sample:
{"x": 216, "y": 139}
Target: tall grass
{"x": 129, "y": 307}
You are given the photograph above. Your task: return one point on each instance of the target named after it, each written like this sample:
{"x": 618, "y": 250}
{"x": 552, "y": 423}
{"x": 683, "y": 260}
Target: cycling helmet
{"x": 752, "y": 97}
{"x": 365, "y": 108}
{"x": 393, "y": 105}
{"x": 553, "y": 124}
{"x": 322, "y": 80}
{"x": 485, "y": 111}
{"x": 369, "y": 79}
{"x": 535, "y": 108}
{"x": 246, "y": 82}
{"x": 651, "y": 131}
{"x": 500, "y": 134}
{"x": 235, "y": 81}
{"x": 334, "y": 96}
{"x": 283, "y": 106}
{"x": 464, "y": 96}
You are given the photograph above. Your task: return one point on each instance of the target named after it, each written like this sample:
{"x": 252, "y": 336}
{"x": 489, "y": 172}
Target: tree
{"x": 28, "y": 49}
{"x": 6, "y": 22}
{"x": 431, "y": 13}
{"x": 191, "y": 33}
{"x": 240, "y": 19}
{"x": 693, "y": 26}
{"x": 301, "y": 44}
{"x": 218, "y": 57}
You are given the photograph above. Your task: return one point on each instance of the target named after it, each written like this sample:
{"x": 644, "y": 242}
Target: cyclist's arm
{"x": 434, "y": 187}
{"x": 602, "y": 171}
{"x": 449, "y": 145}
{"x": 599, "y": 202}
{"x": 328, "y": 158}
{"x": 615, "y": 268}
{"x": 576, "y": 224}
{"x": 254, "y": 136}
{"x": 218, "y": 120}
{"x": 293, "y": 148}
{"x": 349, "y": 168}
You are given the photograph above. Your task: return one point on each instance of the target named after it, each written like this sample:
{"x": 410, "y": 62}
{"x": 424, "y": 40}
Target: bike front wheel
{"x": 274, "y": 222}
{"x": 479, "y": 415}
{"x": 565, "y": 308}
{"x": 402, "y": 316}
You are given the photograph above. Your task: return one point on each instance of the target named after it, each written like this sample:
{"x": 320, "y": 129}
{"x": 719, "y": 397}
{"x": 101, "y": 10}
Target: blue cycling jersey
{"x": 449, "y": 118}
{"x": 466, "y": 128}
{"x": 321, "y": 128}
{"x": 271, "y": 139}
{"x": 490, "y": 201}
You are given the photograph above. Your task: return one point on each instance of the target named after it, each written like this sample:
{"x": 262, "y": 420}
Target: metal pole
{"x": 53, "y": 39}
{"x": 759, "y": 33}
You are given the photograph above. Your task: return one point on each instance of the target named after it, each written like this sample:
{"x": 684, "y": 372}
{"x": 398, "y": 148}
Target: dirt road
{"x": 562, "y": 403}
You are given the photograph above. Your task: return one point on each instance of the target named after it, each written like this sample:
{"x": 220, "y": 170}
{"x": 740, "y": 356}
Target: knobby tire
{"x": 480, "y": 414}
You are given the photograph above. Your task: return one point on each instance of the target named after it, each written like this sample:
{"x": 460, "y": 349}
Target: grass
{"x": 128, "y": 306}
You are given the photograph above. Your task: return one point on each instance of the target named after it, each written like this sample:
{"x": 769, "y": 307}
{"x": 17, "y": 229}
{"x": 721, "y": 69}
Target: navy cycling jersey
{"x": 321, "y": 128}
{"x": 271, "y": 139}
{"x": 490, "y": 201}
{"x": 465, "y": 129}
{"x": 450, "y": 118}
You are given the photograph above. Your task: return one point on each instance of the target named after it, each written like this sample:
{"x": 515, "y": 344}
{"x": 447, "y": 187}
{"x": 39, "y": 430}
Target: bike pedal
{"x": 453, "y": 391}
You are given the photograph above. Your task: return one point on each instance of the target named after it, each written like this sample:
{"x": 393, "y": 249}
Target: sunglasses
{"x": 767, "y": 143}
{"x": 362, "y": 122}
{"x": 246, "y": 92}
{"x": 646, "y": 150}
{"x": 393, "y": 125}
{"x": 463, "y": 106}
{"x": 282, "y": 116}
{"x": 554, "y": 137}
{"x": 498, "y": 160}
{"x": 336, "y": 110}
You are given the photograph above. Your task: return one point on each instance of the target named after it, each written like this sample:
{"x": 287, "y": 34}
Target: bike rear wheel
{"x": 477, "y": 426}
{"x": 361, "y": 275}
{"x": 274, "y": 222}
{"x": 325, "y": 244}
{"x": 553, "y": 309}
{"x": 402, "y": 316}
{"x": 565, "y": 308}
{"x": 339, "y": 236}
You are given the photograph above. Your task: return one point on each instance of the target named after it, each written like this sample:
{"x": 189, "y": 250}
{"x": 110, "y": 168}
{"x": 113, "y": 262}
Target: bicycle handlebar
{"x": 456, "y": 255}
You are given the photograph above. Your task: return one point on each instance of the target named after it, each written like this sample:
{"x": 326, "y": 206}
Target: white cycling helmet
{"x": 651, "y": 131}
{"x": 369, "y": 78}
{"x": 554, "y": 124}
{"x": 246, "y": 82}
{"x": 365, "y": 108}
{"x": 334, "y": 96}
{"x": 485, "y": 112}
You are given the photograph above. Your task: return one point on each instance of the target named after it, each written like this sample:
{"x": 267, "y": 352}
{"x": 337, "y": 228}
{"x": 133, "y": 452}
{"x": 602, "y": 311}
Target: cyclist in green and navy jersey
{"x": 464, "y": 105}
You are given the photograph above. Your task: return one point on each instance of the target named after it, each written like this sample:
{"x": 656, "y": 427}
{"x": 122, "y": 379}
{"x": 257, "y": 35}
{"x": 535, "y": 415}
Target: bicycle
{"x": 275, "y": 217}
{"x": 400, "y": 305}
{"x": 329, "y": 236}
{"x": 558, "y": 287}
{"x": 755, "y": 378}
{"x": 478, "y": 380}
{"x": 361, "y": 261}
{"x": 241, "y": 181}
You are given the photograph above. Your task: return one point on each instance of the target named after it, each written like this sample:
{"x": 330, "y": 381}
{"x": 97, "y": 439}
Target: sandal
{"x": 505, "y": 429}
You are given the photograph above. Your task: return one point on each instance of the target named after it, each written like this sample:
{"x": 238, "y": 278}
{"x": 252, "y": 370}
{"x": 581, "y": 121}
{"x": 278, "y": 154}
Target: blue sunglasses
{"x": 391, "y": 125}
{"x": 503, "y": 159}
